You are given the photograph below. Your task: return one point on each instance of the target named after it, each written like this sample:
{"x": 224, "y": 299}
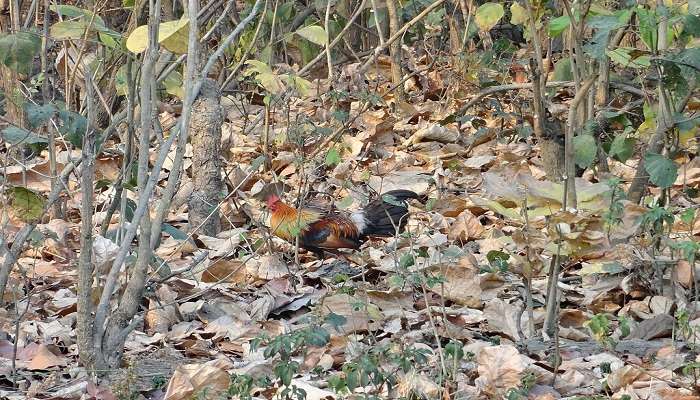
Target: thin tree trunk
{"x": 395, "y": 48}
{"x": 205, "y": 130}
{"x": 85, "y": 321}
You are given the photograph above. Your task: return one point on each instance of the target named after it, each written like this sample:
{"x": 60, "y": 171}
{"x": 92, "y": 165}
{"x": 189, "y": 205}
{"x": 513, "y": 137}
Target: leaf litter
{"x": 491, "y": 222}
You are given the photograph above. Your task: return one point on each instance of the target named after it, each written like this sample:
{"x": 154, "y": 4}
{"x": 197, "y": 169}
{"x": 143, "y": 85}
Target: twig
{"x": 379, "y": 49}
{"x": 569, "y": 158}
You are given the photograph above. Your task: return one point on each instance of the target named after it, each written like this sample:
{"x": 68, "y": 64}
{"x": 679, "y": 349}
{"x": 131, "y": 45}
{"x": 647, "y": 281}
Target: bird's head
{"x": 273, "y": 202}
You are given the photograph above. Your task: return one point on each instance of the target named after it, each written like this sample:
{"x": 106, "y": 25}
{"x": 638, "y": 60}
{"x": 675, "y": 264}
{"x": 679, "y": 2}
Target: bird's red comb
{"x": 272, "y": 199}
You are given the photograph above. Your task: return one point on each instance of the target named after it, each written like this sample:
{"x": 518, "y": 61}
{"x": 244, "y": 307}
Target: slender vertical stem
{"x": 329, "y": 61}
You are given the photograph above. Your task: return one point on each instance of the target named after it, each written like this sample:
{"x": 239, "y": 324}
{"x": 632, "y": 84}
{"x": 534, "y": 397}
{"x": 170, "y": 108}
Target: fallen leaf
{"x": 43, "y": 358}
{"x": 500, "y": 368}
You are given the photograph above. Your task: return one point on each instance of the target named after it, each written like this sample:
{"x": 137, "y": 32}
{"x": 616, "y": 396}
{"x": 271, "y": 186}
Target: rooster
{"x": 321, "y": 230}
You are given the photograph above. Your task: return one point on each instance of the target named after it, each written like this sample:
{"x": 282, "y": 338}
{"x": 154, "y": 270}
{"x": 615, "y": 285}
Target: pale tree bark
{"x": 205, "y": 131}
{"x": 395, "y": 48}
{"x": 86, "y": 268}
{"x": 9, "y": 23}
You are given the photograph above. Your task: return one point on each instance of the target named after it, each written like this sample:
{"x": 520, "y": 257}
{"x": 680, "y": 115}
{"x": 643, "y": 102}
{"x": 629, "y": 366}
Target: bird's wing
{"x": 334, "y": 231}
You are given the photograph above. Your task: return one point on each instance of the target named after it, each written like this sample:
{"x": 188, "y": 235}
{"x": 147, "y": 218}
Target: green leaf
{"x": 406, "y": 260}
{"x": 120, "y": 83}
{"x": 584, "y": 150}
{"x": 17, "y": 50}
{"x": 317, "y": 336}
{"x": 172, "y": 35}
{"x": 335, "y": 320}
{"x": 629, "y": 57}
{"x": 302, "y": 85}
{"x": 692, "y": 25}
{"x": 69, "y": 29}
{"x": 173, "y": 85}
{"x": 28, "y": 205}
{"x": 495, "y": 255}
{"x": 15, "y": 135}
{"x": 174, "y": 232}
{"x": 647, "y": 27}
{"x": 662, "y": 171}
{"x": 74, "y": 127}
{"x": 70, "y": 11}
{"x": 264, "y": 74}
{"x": 314, "y": 34}
{"x": 688, "y": 216}
{"x": 110, "y": 39}
{"x": 488, "y": 15}
{"x": 38, "y": 114}
{"x": 558, "y": 25}
{"x": 622, "y": 148}
{"x": 333, "y": 157}
{"x": 563, "y": 71}
{"x": 518, "y": 14}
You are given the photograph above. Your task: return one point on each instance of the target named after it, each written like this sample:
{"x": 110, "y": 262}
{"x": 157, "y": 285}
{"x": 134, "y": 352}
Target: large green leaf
{"x": 173, "y": 84}
{"x": 17, "y": 50}
{"x": 38, "y": 114}
{"x": 73, "y": 127}
{"x": 629, "y": 57}
{"x": 558, "y": 25}
{"x": 488, "y": 15}
{"x": 647, "y": 27}
{"x": 172, "y": 35}
{"x": 74, "y": 12}
{"x": 69, "y": 29}
{"x": 26, "y": 204}
{"x": 15, "y": 135}
{"x": 562, "y": 70}
{"x": 584, "y": 150}
{"x": 662, "y": 171}
{"x": 518, "y": 14}
{"x": 314, "y": 34}
{"x": 692, "y": 25}
{"x": 622, "y": 148}
{"x": 264, "y": 74}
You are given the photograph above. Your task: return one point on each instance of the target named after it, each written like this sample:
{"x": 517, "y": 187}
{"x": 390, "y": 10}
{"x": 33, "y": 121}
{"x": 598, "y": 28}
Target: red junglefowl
{"x": 320, "y": 230}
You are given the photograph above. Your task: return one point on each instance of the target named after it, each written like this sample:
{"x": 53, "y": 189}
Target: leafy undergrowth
{"x": 436, "y": 312}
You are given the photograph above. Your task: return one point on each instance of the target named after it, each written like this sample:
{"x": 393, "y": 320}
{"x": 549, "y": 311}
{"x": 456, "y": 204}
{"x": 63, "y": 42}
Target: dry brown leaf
{"x": 503, "y": 318}
{"x": 500, "y": 368}
{"x": 357, "y": 313}
{"x": 225, "y": 270}
{"x": 415, "y": 384}
{"x": 43, "y": 358}
{"x": 462, "y": 282}
{"x": 466, "y": 227}
{"x": 208, "y": 379}
{"x": 268, "y": 267}
{"x": 434, "y": 132}
{"x": 416, "y": 181}
{"x": 624, "y": 376}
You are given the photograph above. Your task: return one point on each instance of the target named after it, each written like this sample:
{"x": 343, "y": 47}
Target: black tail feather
{"x": 388, "y": 213}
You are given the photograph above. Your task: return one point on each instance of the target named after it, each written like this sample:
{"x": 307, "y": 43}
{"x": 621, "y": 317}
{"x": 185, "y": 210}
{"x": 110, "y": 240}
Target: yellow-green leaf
{"x": 172, "y": 35}
{"x": 314, "y": 34}
{"x": 173, "y": 85}
{"x": 488, "y": 15}
{"x": 264, "y": 74}
{"x": 26, "y": 204}
{"x": 518, "y": 14}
